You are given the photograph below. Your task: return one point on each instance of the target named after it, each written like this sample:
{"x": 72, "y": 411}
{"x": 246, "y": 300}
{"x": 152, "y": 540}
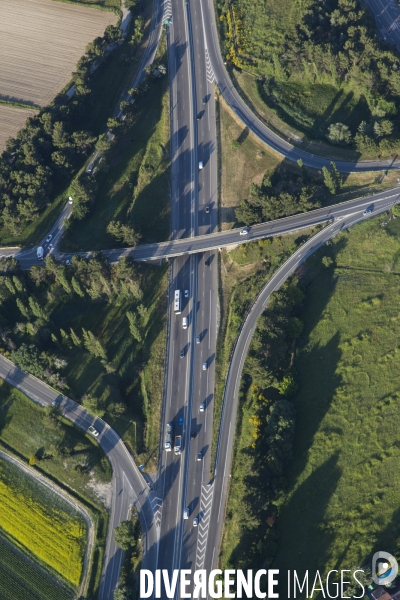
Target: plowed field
{"x": 41, "y": 42}
{"x": 11, "y": 119}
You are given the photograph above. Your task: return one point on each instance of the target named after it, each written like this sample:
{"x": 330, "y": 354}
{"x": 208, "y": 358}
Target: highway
{"x": 207, "y": 242}
{"x": 385, "y": 11}
{"x": 129, "y": 486}
{"x": 195, "y": 63}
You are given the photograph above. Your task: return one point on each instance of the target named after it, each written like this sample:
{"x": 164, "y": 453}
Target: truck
{"x": 168, "y": 437}
{"x": 40, "y": 252}
{"x": 178, "y": 444}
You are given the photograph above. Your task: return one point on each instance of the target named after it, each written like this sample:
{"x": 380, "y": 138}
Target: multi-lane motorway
{"x": 172, "y": 542}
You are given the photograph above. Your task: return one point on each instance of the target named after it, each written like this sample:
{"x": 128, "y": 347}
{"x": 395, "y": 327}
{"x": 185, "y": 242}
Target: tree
{"x": 77, "y": 287}
{"x": 124, "y": 233}
{"x": 339, "y": 134}
{"x": 332, "y": 178}
{"x": 94, "y": 405}
{"x": 102, "y": 144}
{"x": 288, "y": 386}
{"x": 27, "y": 358}
{"x": 75, "y": 338}
{"x": 327, "y": 261}
{"x": 24, "y": 311}
{"x": 93, "y": 344}
{"x": 125, "y": 535}
{"x": 133, "y": 326}
{"x": 295, "y": 328}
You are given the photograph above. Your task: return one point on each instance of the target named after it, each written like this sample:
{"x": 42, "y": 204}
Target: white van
{"x": 185, "y": 323}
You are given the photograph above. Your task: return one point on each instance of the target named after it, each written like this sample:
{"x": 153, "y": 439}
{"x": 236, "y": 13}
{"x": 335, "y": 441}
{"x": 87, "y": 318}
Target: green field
{"x": 340, "y": 501}
{"x": 344, "y": 482}
{"x": 23, "y": 579}
{"x": 60, "y": 447}
{"x": 42, "y": 522}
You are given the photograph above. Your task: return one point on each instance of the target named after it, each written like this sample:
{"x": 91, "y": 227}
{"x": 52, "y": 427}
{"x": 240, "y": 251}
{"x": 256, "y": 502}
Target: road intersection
{"x": 195, "y": 64}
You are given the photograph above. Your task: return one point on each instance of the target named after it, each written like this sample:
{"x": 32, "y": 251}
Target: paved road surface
{"x": 129, "y": 486}
{"x": 265, "y": 134}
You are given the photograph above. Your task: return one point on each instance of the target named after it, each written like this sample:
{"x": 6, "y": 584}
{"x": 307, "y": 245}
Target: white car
{"x": 195, "y": 522}
{"x": 185, "y": 323}
{"x": 202, "y": 407}
{"x": 186, "y": 513}
{"x": 93, "y": 430}
{"x": 70, "y": 201}
{"x": 245, "y": 231}
{"x": 201, "y": 165}
{"x": 49, "y": 238}
{"x": 204, "y": 366}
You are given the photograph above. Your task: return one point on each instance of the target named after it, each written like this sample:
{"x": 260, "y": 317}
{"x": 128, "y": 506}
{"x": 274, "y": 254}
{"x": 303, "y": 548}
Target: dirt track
{"x": 41, "y": 42}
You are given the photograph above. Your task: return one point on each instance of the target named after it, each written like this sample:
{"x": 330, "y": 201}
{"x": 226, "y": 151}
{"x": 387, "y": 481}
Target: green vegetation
{"x": 128, "y": 537}
{"x": 266, "y": 428}
{"x": 23, "y": 579}
{"x": 320, "y": 67}
{"x": 344, "y": 481}
{"x": 68, "y": 325}
{"x": 37, "y": 167}
{"x": 132, "y": 192}
{"x": 42, "y": 522}
{"x": 337, "y": 500}
{"x": 61, "y": 452}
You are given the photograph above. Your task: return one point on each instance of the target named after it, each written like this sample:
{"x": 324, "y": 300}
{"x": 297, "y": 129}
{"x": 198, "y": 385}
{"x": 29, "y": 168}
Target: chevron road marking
{"x": 210, "y": 72}
{"x": 167, "y": 10}
{"x": 204, "y": 523}
{"x": 156, "y": 505}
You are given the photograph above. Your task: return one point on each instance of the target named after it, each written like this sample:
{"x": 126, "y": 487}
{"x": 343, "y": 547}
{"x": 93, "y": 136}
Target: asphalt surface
{"x": 129, "y": 486}
{"x": 207, "y": 242}
{"x": 384, "y": 9}
{"x": 387, "y": 18}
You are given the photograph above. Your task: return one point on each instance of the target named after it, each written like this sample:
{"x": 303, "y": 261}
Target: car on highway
{"x": 205, "y": 366}
{"x": 186, "y": 513}
{"x": 49, "y": 238}
{"x": 181, "y": 421}
{"x": 201, "y": 165}
{"x": 68, "y": 261}
{"x": 202, "y": 407}
{"x": 70, "y": 201}
{"x": 184, "y": 323}
{"x": 182, "y": 354}
{"x": 368, "y": 210}
{"x": 193, "y": 434}
{"x": 93, "y": 430}
{"x": 195, "y": 522}
{"x": 207, "y": 209}
{"x": 199, "y": 456}
{"x": 186, "y": 293}
{"x": 56, "y": 402}
{"x": 245, "y": 231}
{"x": 198, "y": 340}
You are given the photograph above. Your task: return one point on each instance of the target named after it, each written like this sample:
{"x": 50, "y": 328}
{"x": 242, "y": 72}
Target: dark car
{"x": 182, "y": 353}
{"x": 193, "y": 435}
{"x": 368, "y": 210}
{"x": 180, "y": 420}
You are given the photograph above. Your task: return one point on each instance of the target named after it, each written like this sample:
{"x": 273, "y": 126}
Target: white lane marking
{"x": 223, "y": 477}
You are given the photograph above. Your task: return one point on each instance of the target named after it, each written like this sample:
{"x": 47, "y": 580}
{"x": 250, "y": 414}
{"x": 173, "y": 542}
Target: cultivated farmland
{"x": 42, "y": 522}
{"x": 23, "y": 579}
{"x": 11, "y": 120}
{"x": 41, "y": 42}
